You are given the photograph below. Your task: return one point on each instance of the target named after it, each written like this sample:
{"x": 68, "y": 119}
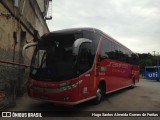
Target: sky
{"x": 134, "y": 23}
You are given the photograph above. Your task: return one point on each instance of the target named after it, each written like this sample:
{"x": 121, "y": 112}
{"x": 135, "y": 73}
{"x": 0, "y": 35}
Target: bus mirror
{"x": 78, "y": 43}
{"x": 27, "y": 46}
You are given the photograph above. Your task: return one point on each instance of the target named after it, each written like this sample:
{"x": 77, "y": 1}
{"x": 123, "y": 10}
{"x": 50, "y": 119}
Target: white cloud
{"x": 132, "y": 22}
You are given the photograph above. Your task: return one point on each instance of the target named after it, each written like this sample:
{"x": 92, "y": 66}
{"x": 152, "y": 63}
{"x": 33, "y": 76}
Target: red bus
{"x": 71, "y": 66}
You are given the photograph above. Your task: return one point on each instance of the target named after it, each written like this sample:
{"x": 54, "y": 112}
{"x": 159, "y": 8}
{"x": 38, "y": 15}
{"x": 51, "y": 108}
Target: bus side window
{"x": 111, "y": 49}
{"x": 103, "y": 53}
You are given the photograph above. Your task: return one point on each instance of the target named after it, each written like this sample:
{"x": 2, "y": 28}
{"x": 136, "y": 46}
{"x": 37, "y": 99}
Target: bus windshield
{"x": 53, "y": 59}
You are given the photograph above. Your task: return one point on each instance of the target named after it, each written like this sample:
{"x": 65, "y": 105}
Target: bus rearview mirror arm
{"x": 78, "y": 43}
{"x": 27, "y": 46}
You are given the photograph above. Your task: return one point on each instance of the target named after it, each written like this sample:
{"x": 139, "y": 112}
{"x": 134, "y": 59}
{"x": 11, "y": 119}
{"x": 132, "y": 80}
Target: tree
{"x": 147, "y": 60}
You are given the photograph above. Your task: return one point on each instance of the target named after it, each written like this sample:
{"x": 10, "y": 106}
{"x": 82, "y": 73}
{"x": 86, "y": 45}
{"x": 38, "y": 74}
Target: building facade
{"x": 20, "y": 22}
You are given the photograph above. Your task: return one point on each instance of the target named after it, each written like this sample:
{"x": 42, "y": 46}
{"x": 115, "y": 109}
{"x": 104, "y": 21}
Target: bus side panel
{"x": 128, "y": 76}
{"x": 122, "y": 72}
{"x": 136, "y": 72}
{"x": 110, "y": 71}
{"x": 86, "y": 87}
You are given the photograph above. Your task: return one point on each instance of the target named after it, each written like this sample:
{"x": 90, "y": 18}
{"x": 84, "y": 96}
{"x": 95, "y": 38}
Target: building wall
{"x": 27, "y": 13}
{"x": 43, "y": 4}
{"x": 17, "y": 28}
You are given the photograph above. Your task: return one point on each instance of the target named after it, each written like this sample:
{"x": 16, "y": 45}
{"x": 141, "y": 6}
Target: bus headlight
{"x": 70, "y": 86}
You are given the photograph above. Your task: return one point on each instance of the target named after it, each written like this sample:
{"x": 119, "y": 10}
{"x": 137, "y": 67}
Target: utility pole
{"x": 158, "y": 59}
{"x": 154, "y": 52}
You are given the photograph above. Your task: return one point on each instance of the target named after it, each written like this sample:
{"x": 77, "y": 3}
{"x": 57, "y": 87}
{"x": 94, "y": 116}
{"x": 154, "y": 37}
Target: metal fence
{"x": 13, "y": 79}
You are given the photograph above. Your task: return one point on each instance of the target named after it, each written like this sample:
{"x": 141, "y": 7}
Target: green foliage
{"x": 147, "y": 60}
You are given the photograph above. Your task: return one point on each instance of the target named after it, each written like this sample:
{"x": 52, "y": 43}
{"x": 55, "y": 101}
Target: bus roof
{"x": 89, "y": 29}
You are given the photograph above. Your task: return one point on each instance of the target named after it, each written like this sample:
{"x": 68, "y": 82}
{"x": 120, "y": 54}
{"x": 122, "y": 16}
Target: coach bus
{"x": 152, "y": 72}
{"x": 75, "y": 65}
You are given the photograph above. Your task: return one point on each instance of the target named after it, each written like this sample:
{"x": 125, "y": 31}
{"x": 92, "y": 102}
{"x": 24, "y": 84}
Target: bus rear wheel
{"x": 133, "y": 84}
{"x": 99, "y": 95}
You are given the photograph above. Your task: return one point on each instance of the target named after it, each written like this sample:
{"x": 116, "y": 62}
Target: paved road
{"x": 144, "y": 97}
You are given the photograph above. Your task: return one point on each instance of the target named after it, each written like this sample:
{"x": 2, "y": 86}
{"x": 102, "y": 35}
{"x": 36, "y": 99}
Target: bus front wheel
{"x": 99, "y": 95}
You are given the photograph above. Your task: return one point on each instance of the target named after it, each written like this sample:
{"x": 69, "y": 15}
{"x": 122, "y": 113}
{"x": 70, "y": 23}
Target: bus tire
{"x": 99, "y": 95}
{"x": 133, "y": 84}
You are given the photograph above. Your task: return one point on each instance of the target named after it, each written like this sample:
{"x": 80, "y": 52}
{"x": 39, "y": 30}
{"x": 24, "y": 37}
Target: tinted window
{"x": 104, "y": 49}
{"x": 112, "y": 50}
{"x": 94, "y": 37}
{"x": 108, "y": 49}
{"x": 53, "y": 59}
{"x": 85, "y": 58}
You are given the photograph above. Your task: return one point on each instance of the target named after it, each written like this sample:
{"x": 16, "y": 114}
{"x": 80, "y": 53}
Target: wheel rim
{"x": 99, "y": 94}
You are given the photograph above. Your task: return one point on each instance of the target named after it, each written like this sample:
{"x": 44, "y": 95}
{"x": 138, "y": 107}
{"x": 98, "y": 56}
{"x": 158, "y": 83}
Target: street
{"x": 144, "y": 97}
